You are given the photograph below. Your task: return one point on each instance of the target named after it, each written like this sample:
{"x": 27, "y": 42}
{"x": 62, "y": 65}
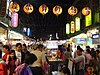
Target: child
{"x": 12, "y": 62}
{"x": 90, "y": 70}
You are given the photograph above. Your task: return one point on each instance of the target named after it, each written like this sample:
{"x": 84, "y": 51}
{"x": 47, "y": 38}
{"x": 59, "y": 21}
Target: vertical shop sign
{"x": 88, "y": 20}
{"x": 67, "y": 28}
{"x": 28, "y": 31}
{"x": 72, "y": 27}
{"x": 14, "y": 19}
{"x": 77, "y": 23}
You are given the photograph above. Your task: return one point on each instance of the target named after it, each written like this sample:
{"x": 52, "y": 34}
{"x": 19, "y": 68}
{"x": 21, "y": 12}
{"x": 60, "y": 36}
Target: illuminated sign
{"x": 14, "y": 20}
{"x": 53, "y": 44}
{"x": 95, "y": 36}
{"x": 28, "y": 31}
{"x": 77, "y": 23}
{"x": 72, "y": 27}
{"x": 67, "y": 28}
{"x": 88, "y": 20}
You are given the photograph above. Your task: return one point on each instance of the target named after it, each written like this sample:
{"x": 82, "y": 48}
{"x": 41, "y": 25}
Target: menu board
{"x": 52, "y": 44}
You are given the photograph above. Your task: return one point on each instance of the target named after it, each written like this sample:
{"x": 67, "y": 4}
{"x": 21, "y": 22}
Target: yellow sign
{"x": 72, "y": 27}
{"x": 67, "y": 28}
{"x": 77, "y": 23}
{"x": 88, "y": 20}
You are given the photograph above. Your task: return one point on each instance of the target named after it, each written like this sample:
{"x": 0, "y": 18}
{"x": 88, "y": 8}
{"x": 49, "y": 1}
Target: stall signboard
{"x": 14, "y": 35}
{"x": 67, "y": 28}
{"x": 28, "y": 31}
{"x": 88, "y": 20}
{"x": 81, "y": 41}
{"x": 14, "y": 19}
{"x": 96, "y": 38}
{"x": 77, "y": 23}
{"x": 52, "y": 44}
{"x": 72, "y": 26}
{"x": 96, "y": 41}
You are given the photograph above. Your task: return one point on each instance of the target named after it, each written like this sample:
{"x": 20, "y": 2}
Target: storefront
{"x": 14, "y": 37}
{"x": 3, "y": 35}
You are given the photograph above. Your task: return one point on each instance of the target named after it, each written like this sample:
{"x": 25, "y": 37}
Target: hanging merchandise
{"x": 57, "y": 10}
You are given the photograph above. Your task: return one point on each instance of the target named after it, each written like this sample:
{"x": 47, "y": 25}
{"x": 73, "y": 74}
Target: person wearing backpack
{"x": 24, "y": 69}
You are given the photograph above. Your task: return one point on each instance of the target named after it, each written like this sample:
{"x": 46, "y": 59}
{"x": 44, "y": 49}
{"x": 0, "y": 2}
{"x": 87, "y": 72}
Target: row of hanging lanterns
{"x": 43, "y": 9}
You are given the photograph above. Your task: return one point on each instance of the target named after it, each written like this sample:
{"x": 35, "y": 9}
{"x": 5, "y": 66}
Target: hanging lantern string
{"x": 28, "y": 6}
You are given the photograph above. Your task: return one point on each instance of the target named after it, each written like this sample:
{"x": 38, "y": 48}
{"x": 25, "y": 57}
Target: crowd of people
{"x": 21, "y": 61}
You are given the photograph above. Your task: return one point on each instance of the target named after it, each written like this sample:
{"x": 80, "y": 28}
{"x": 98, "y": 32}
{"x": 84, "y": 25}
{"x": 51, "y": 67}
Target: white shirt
{"x": 40, "y": 58}
{"x": 81, "y": 61}
{"x": 18, "y": 55}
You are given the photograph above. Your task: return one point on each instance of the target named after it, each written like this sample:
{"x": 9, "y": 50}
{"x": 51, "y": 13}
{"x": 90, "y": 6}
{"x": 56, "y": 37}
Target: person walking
{"x": 79, "y": 62}
{"x": 39, "y": 66}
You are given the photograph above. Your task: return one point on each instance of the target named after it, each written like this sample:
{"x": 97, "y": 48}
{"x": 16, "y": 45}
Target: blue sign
{"x": 28, "y": 31}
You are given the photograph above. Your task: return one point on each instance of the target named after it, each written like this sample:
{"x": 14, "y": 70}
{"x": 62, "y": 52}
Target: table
{"x": 55, "y": 64}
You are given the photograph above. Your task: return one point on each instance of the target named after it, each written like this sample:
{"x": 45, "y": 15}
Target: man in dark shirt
{"x": 25, "y": 51}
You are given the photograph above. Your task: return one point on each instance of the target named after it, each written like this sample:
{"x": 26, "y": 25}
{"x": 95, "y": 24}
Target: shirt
{"x": 18, "y": 55}
{"x": 81, "y": 61}
{"x": 40, "y": 58}
{"x": 23, "y": 70}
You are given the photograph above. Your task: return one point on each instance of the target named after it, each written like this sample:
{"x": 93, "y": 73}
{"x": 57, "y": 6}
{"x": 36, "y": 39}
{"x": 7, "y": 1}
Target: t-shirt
{"x": 23, "y": 70}
{"x": 80, "y": 60}
{"x": 40, "y": 58}
{"x": 18, "y": 55}
{"x": 88, "y": 58}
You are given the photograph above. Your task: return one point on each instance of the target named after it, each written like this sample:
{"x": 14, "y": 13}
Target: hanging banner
{"x": 14, "y": 19}
{"x": 77, "y": 23}
{"x": 67, "y": 28}
{"x": 72, "y": 27}
{"x": 88, "y": 20}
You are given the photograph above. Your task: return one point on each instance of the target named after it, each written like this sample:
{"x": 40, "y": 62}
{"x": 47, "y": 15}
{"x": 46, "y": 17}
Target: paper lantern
{"x": 57, "y": 10}
{"x": 14, "y": 19}
{"x": 86, "y": 11}
{"x": 72, "y": 10}
{"x": 28, "y": 8}
{"x": 14, "y": 7}
{"x": 43, "y": 9}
